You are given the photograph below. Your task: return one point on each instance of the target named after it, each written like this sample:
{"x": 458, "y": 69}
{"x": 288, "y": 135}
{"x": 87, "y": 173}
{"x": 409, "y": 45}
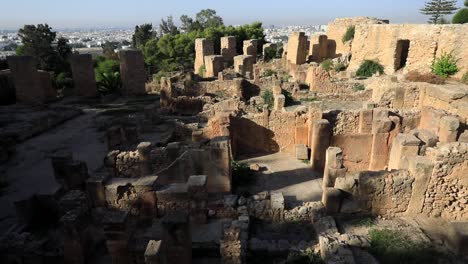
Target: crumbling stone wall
{"x": 447, "y": 191}
{"x": 297, "y": 48}
{"x": 450, "y": 98}
{"x": 83, "y": 75}
{"x": 337, "y": 29}
{"x": 379, "y": 42}
{"x": 203, "y": 47}
{"x": 27, "y": 80}
{"x": 132, "y": 71}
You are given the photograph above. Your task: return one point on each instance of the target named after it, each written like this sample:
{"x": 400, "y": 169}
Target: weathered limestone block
{"x": 331, "y": 199}
{"x": 132, "y": 71}
{"x": 318, "y": 48}
{"x": 197, "y": 191}
{"x": 228, "y": 48}
{"x": 463, "y": 137}
{"x": 302, "y": 135}
{"x": 250, "y": 48}
{"x": 214, "y": 64}
{"x": 302, "y": 152}
{"x": 203, "y": 48}
{"x": 279, "y": 102}
{"x": 379, "y": 151}
{"x": 26, "y": 78}
{"x": 365, "y": 121}
{"x": 333, "y": 167}
{"x": 320, "y": 141}
{"x": 154, "y": 252}
{"x": 114, "y": 224}
{"x": 381, "y": 125}
{"x": 144, "y": 153}
{"x": 46, "y": 79}
{"x": 83, "y": 75}
{"x": 243, "y": 64}
{"x": 421, "y": 169}
{"x": 318, "y": 80}
{"x": 96, "y": 191}
{"x": 277, "y": 206}
{"x": 448, "y": 129}
{"x": 177, "y": 238}
{"x": 404, "y": 147}
{"x": 173, "y": 197}
{"x": 297, "y": 48}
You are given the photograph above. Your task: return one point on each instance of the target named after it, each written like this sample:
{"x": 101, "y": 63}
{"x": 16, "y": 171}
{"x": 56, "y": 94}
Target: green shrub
{"x": 63, "y": 81}
{"x": 339, "y": 67}
{"x": 270, "y": 54}
{"x": 286, "y": 78}
{"x": 359, "y": 87}
{"x": 349, "y": 35}
{"x": 242, "y": 175}
{"x": 268, "y": 98}
{"x": 461, "y": 17}
{"x": 109, "y": 83}
{"x": 268, "y": 73}
{"x": 201, "y": 70}
{"x": 391, "y": 247}
{"x": 369, "y": 68}
{"x": 327, "y": 64}
{"x": 445, "y": 66}
{"x": 464, "y": 79}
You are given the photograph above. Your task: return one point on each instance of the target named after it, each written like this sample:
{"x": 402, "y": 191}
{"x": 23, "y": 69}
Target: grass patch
{"x": 242, "y": 175}
{"x": 391, "y": 247}
{"x": 269, "y": 73}
{"x": 349, "y": 35}
{"x": 359, "y": 87}
{"x": 268, "y": 98}
{"x": 327, "y": 64}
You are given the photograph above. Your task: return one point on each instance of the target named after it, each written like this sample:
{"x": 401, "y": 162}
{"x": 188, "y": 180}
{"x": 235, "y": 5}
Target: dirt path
{"x": 30, "y": 170}
{"x": 297, "y": 181}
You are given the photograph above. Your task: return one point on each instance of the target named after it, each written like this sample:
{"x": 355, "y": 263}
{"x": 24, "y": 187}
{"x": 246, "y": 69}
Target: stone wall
{"x": 26, "y": 78}
{"x": 337, "y": 29}
{"x": 380, "y": 42}
{"x": 132, "y": 71}
{"x": 447, "y": 191}
{"x": 83, "y": 75}
{"x": 203, "y": 47}
{"x": 451, "y": 98}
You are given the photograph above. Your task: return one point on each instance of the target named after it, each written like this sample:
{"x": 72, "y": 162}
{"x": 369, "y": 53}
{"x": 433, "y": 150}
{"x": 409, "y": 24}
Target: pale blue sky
{"x": 120, "y": 13}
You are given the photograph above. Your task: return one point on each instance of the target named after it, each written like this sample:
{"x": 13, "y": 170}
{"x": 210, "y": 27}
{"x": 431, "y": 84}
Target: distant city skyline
{"x": 126, "y": 14}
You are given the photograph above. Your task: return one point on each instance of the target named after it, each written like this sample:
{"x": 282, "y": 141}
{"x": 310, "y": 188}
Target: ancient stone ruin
{"x": 240, "y": 159}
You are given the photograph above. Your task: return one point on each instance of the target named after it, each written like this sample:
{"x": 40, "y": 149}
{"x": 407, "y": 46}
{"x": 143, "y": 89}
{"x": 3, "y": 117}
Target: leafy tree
{"x": 143, "y": 33}
{"x": 208, "y": 18}
{"x": 168, "y": 27}
{"x": 188, "y": 24}
{"x": 108, "y": 49}
{"x": 107, "y": 73}
{"x": 437, "y": 8}
{"x": 461, "y": 17}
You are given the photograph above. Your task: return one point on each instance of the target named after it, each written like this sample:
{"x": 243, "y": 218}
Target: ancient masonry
{"x": 240, "y": 159}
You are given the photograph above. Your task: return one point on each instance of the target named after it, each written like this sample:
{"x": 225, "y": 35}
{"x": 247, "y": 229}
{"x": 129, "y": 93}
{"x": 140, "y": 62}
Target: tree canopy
{"x": 143, "y": 33}
{"x": 40, "y": 41}
{"x": 436, "y": 9}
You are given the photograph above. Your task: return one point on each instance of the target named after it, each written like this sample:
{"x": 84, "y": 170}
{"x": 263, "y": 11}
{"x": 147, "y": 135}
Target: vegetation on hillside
{"x": 445, "y": 65}
{"x": 369, "y": 68}
{"x": 349, "y": 35}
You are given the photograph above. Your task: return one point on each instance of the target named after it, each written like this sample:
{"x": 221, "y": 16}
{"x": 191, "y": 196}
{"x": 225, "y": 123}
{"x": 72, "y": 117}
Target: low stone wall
{"x": 447, "y": 191}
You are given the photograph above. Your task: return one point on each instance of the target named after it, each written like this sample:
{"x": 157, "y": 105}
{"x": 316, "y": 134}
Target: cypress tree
{"x": 438, "y": 8}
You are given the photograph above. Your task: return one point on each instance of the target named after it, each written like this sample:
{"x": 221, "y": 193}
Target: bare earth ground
{"x": 30, "y": 171}
{"x": 297, "y": 181}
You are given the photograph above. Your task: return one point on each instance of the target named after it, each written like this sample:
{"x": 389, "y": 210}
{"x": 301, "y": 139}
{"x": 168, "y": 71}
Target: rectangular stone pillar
{"x": 197, "y": 190}
{"x": 379, "y": 152}
{"x": 243, "y": 64}
{"x": 277, "y": 206}
{"x": 279, "y": 102}
{"x": 333, "y": 167}
{"x": 448, "y": 129}
{"x": 365, "y": 121}
{"x": 318, "y": 48}
{"x": 421, "y": 169}
{"x": 115, "y": 230}
{"x": 404, "y": 147}
{"x": 203, "y": 47}
{"x": 297, "y": 48}
{"x": 83, "y": 75}
{"x": 250, "y": 48}
{"x": 228, "y": 49}
{"x": 45, "y": 80}
{"x": 321, "y": 133}
{"x": 26, "y": 79}
{"x": 177, "y": 238}
{"x": 132, "y": 72}
{"x": 214, "y": 64}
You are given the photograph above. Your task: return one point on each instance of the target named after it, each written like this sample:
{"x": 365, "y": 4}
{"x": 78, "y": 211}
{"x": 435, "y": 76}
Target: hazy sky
{"x": 120, "y": 13}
